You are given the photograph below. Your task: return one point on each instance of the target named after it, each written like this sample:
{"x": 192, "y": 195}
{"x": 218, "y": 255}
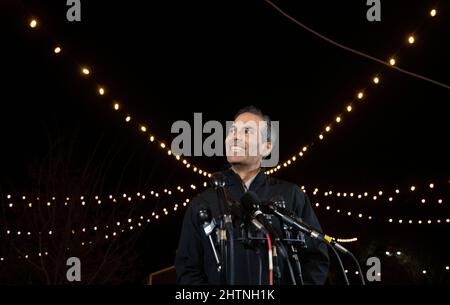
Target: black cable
{"x": 359, "y": 268}
{"x": 340, "y": 264}
{"x": 260, "y": 266}
{"x": 283, "y": 252}
{"x": 231, "y": 240}
{"x": 297, "y": 264}
{"x": 229, "y": 228}
{"x": 223, "y": 252}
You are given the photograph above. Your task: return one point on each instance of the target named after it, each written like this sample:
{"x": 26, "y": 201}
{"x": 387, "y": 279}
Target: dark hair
{"x": 256, "y": 111}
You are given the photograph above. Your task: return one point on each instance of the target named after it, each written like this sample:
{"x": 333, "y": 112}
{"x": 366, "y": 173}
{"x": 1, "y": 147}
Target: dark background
{"x": 165, "y": 60}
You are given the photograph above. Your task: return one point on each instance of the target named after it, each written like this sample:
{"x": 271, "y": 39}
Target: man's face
{"x": 245, "y": 143}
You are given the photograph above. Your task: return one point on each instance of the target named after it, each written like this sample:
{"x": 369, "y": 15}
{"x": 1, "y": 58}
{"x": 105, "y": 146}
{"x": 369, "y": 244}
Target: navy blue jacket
{"x": 195, "y": 263}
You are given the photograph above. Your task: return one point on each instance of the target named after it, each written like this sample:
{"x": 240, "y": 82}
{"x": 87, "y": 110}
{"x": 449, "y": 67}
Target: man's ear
{"x": 266, "y": 149}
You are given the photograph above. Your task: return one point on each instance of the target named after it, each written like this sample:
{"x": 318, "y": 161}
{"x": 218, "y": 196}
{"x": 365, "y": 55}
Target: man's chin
{"x": 236, "y": 159}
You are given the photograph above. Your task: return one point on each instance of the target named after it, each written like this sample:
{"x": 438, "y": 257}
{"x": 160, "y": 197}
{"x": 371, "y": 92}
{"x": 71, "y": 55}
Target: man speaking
{"x": 252, "y": 262}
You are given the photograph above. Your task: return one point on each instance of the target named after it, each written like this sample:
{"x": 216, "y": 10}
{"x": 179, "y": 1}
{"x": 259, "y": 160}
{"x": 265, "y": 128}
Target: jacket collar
{"x": 233, "y": 179}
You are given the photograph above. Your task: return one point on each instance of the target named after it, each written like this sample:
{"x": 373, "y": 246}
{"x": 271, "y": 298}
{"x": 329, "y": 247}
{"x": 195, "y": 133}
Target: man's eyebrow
{"x": 245, "y": 124}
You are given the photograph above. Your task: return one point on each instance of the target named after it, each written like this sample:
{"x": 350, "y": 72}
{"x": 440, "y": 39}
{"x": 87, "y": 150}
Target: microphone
{"x": 205, "y": 218}
{"x": 251, "y": 204}
{"x": 274, "y": 207}
{"x": 217, "y": 180}
{"x": 271, "y": 207}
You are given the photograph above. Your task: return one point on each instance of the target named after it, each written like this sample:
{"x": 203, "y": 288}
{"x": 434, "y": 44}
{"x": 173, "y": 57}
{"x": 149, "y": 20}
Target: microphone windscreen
{"x": 204, "y": 214}
{"x": 217, "y": 180}
{"x": 250, "y": 201}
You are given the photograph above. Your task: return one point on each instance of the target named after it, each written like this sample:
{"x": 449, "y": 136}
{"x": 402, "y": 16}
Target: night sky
{"x": 166, "y": 60}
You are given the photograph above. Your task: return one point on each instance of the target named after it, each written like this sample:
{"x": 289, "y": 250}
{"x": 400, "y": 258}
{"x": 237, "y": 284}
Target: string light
{"x": 389, "y": 219}
{"x": 86, "y": 71}
{"x": 376, "y": 79}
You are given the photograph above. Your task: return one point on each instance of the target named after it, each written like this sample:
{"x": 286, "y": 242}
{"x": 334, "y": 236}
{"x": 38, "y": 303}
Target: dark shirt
{"x": 195, "y": 262}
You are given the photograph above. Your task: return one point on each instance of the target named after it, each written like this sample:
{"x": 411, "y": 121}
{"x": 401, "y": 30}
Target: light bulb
{"x": 33, "y": 23}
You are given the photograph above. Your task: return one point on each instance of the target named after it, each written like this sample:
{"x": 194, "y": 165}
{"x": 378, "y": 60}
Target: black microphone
{"x": 274, "y": 207}
{"x": 289, "y": 217}
{"x": 209, "y": 224}
{"x": 226, "y": 226}
{"x": 217, "y": 180}
{"x": 206, "y": 220}
{"x": 251, "y": 204}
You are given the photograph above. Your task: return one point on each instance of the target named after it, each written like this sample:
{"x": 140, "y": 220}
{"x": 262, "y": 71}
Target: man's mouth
{"x": 236, "y": 148}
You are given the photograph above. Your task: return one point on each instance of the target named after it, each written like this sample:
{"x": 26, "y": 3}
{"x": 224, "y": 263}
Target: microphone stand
{"x": 227, "y": 275}
{"x": 209, "y": 225}
{"x": 276, "y": 263}
{"x": 294, "y": 253}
